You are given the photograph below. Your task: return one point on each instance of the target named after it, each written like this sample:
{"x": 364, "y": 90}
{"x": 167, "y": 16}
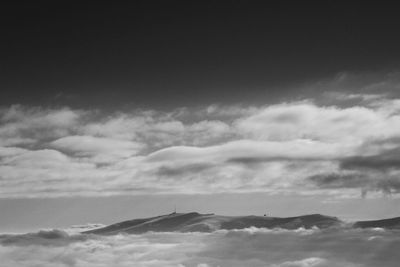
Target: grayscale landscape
{"x": 199, "y": 134}
{"x": 193, "y": 239}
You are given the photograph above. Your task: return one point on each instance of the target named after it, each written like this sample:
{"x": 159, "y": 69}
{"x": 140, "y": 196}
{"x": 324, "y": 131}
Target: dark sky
{"x": 178, "y": 53}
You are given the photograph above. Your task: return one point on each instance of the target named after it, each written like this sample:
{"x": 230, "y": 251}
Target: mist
{"x": 247, "y": 247}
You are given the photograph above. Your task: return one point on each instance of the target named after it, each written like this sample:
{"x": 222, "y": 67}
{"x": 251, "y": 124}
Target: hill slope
{"x": 393, "y": 223}
{"x": 196, "y": 222}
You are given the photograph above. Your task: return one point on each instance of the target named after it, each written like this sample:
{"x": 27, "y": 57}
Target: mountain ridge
{"x": 390, "y": 223}
{"x": 196, "y": 222}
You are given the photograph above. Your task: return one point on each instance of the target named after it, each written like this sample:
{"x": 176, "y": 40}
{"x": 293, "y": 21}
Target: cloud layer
{"x": 234, "y": 248}
{"x": 303, "y": 147}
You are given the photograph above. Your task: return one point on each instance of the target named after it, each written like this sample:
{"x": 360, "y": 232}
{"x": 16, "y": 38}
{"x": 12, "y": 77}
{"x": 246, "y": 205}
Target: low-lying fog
{"x": 248, "y": 247}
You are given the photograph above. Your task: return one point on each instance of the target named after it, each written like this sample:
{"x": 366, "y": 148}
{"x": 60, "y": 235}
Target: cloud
{"x": 182, "y": 170}
{"x": 267, "y": 150}
{"x": 309, "y": 262}
{"x": 382, "y": 182}
{"x": 11, "y": 151}
{"x": 42, "y": 238}
{"x": 233, "y": 248}
{"x": 303, "y": 146}
{"x": 99, "y": 148}
{"x": 27, "y": 125}
{"x": 306, "y": 120}
{"x": 380, "y": 172}
{"x": 384, "y": 161}
{"x": 339, "y": 180}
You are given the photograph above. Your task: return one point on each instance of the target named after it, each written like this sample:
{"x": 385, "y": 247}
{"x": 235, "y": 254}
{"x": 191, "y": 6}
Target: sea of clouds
{"x": 247, "y": 247}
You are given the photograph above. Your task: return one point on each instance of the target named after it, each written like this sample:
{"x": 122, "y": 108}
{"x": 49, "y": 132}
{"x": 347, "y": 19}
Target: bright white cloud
{"x": 328, "y": 124}
{"x": 300, "y": 147}
{"x": 255, "y": 150}
{"x": 234, "y": 248}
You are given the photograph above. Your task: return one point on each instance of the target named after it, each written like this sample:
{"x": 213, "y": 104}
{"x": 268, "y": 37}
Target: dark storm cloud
{"x": 379, "y": 162}
{"x": 183, "y": 170}
{"x": 384, "y": 161}
{"x": 250, "y": 160}
{"x": 337, "y": 180}
{"x": 379, "y": 172}
{"x": 366, "y": 182}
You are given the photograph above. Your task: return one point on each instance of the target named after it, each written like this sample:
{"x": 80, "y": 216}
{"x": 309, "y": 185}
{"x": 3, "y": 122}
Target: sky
{"x": 112, "y": 112}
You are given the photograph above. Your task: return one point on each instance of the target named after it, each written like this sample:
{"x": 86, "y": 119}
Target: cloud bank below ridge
{"x": 247, "y": 247}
